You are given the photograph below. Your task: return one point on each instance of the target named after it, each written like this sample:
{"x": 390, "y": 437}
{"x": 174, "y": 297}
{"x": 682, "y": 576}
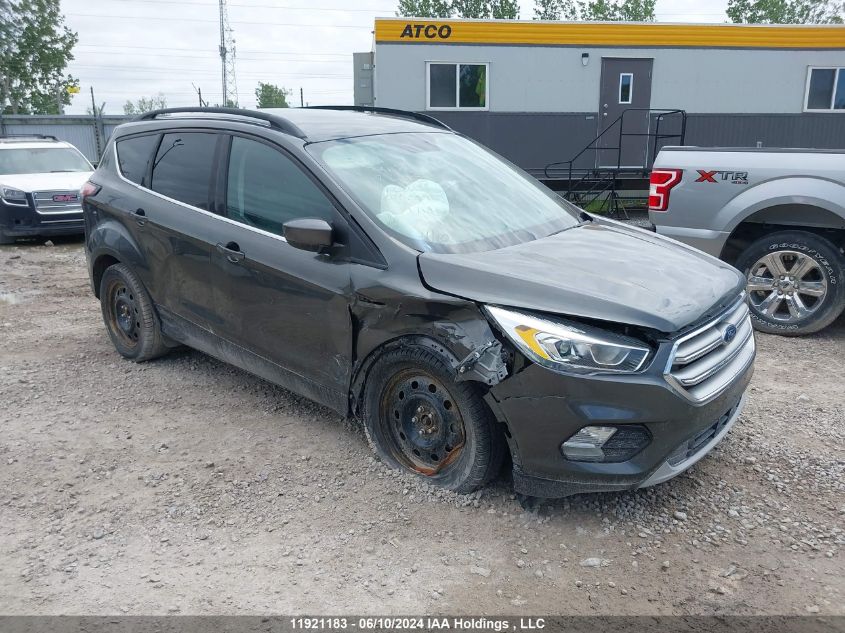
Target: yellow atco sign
{"x": 618, "y": 34}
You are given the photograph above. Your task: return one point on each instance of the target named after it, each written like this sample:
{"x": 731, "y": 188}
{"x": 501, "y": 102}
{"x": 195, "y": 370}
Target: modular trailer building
{"x": 541, "y": 92}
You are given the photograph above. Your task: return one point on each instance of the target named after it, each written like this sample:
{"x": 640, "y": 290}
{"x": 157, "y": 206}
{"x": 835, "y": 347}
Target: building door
{"x": 625, "y": 84}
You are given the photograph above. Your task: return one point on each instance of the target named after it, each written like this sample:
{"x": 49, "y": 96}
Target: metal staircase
{"x": 616, "y": 189}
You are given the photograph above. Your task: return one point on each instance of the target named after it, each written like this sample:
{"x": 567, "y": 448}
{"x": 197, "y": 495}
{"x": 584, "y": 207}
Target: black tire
{"x": 452, "y": 412}
{"x": 129, "y": 315}
{"x": 6, "y": 239}
{"x": 809, "y": 300}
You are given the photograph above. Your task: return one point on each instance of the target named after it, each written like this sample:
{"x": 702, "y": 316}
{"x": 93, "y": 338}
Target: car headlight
{"x": 570, "y": 347}
{"x": 12, "y": 196}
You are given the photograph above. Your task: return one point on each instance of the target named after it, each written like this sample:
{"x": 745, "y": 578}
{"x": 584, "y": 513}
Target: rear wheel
{"x": 420, "y": 420}
{"x": 130, "y": 316}
{"x": 794, "y": 282}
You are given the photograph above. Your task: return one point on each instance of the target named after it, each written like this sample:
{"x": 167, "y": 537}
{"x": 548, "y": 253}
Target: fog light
{"x": 586, "y": 444}
{"x": 606, "y": 443}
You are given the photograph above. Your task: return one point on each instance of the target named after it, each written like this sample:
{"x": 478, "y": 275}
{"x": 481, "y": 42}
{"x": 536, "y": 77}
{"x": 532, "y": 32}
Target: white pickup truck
{"x": 776, "y": 214}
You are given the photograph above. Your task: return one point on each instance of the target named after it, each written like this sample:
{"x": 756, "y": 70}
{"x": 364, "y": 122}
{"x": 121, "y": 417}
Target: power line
{"x": 258, "y": 6}
{"x": 246, "y": 23}
{"x": 211, "y": 51}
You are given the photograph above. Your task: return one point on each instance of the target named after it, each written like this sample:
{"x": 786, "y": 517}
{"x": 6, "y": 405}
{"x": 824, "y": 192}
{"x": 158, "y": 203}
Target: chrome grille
{"x": 50, "y": 202}
{"x": 705, "y": 362}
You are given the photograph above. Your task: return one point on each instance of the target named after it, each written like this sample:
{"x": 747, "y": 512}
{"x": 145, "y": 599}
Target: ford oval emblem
{"x": 730, "y": 334}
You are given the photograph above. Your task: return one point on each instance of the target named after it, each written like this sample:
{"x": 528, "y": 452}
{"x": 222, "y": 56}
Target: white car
{"x": 40, "y": 179}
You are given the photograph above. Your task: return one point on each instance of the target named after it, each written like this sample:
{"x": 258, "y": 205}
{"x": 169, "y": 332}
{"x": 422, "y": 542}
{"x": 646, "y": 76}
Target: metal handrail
{"x": 621, "y": 120}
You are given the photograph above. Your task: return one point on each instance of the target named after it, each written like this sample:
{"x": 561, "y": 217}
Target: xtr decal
{"x": 736, "y": 177}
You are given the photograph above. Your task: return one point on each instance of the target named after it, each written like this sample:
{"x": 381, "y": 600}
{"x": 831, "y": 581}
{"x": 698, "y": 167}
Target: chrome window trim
{"x": 281, "y": 238}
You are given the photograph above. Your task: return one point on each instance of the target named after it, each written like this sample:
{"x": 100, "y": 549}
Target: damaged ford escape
{"x": 395, "y": 271}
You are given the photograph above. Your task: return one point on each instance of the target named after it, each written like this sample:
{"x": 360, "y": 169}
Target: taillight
{"x": 89, "y": 189}
{"x": 662, "y": 182}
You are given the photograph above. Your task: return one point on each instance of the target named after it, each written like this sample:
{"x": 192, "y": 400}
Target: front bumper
{"x": 20, "y": 221}
{"x": 542, "y": 409}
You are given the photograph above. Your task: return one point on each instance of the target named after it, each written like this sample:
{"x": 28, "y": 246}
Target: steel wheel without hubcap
{"x": 786, "y": 286}
{"x": 421, "y": 422}
{"x": 124, "y": 319}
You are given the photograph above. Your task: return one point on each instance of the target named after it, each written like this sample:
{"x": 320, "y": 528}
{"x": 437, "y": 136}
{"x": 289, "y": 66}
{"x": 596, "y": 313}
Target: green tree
{"x": 556, "y": 10}
{"x": 496, "y": 9}
{"x": 595, "y": 10}
{"x": 786, "y": 11}
{"x": 145, "y": 104}
{"x": 35, "y": 48}
{"x": 271, "y": 96}
{"x": 424, "y": 8}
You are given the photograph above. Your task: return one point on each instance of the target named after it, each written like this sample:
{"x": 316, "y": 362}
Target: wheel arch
{"x": 362, "y": 370}
{"x": 775, "y": 218}
{"x": 111, "y": 243}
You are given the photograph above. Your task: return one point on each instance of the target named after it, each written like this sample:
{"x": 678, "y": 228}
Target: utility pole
{"x": 229, "y": 84}
{"x": 203, "y": 104}
{"x": 99, "y": 133}
{"x": 301, "y": 99}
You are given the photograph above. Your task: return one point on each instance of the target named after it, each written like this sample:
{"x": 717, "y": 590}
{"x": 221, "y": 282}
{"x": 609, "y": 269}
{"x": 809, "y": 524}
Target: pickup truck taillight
{"x": 662, "y": 181}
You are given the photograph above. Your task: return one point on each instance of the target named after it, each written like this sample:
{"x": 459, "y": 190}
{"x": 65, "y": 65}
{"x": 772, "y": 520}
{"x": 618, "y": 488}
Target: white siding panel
{"x": 553, "y": 79}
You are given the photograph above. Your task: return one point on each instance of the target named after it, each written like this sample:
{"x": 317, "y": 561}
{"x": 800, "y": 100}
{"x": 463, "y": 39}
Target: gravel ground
{"x": 187, "y": 486}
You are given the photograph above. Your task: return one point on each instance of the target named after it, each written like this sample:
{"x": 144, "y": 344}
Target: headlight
{"x": 12, "y": 196}
{"x": 570, "y": 347}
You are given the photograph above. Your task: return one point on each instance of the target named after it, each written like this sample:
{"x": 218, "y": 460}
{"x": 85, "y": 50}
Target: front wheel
{"x": 418, "y": 419}
{"x": 794, "y": 282}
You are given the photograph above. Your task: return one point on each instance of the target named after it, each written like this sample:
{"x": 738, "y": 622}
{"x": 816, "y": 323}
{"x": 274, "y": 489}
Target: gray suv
{"x": 396, "y": 272}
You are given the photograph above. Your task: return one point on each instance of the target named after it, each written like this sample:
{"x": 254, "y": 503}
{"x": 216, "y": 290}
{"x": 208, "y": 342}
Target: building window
{"x": 457, "y": 86}
{"x": 825, "y": 89}
{"x": 626, "y": 87}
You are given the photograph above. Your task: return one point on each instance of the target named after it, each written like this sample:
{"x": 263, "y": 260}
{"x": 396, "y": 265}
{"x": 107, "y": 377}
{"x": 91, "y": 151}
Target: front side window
{"x": 183, "y": 167}
{"x": 626, "y": 87}
{"x": 265, "y": 188}
{"x": 457, "y": 86}
{"x": 134, "y": 156}
{"x": 826, "y": 89}
{"x": 443, "y": 193}
{"x": 42, "y": 160}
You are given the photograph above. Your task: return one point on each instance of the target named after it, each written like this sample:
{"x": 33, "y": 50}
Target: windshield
{"x": 443, "y": 193}
{"x": 41, "y": 160}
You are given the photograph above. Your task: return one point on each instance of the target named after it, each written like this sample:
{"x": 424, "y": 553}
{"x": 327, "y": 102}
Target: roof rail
{"x": 408, "y": 114}
{"x": 275, "y": 122}
{"x": 23, "y": 137}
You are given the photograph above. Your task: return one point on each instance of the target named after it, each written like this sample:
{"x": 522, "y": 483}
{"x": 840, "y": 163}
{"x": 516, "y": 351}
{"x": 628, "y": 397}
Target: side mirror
{"x": 309, "y": 234}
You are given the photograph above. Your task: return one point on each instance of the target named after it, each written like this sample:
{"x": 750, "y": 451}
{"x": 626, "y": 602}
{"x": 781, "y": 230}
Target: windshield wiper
{"x": 62, "y": 171}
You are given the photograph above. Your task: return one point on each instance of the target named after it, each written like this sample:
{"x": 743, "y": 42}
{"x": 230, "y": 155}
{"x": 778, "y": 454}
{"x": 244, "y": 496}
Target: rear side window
{"x": 134, "y": 155}
{"x": 266, "y": 189}
{"x": 183, "y": 167}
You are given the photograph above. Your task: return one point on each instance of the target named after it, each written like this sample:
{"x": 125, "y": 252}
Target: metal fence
{"x": 87, "y": 133}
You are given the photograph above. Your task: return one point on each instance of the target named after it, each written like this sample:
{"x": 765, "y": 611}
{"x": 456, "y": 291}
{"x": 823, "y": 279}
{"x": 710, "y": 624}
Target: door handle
{"x": 232, "y": 252}
{"x": 140, "y": 217}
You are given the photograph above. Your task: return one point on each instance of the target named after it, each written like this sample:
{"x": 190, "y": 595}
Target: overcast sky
{"x": 133, "y": 48}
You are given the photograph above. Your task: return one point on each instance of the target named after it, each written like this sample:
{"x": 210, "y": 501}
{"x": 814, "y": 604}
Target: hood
{"x": 60, "y": 181}
{"x": 598, "y": 270}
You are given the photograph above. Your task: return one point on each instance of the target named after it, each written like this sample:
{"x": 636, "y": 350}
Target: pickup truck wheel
{"x": 795, "y": 282}
{"x": 6, "y": 239}
{"x": 130, "y": 316}
{"x": 418, "y": 419}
